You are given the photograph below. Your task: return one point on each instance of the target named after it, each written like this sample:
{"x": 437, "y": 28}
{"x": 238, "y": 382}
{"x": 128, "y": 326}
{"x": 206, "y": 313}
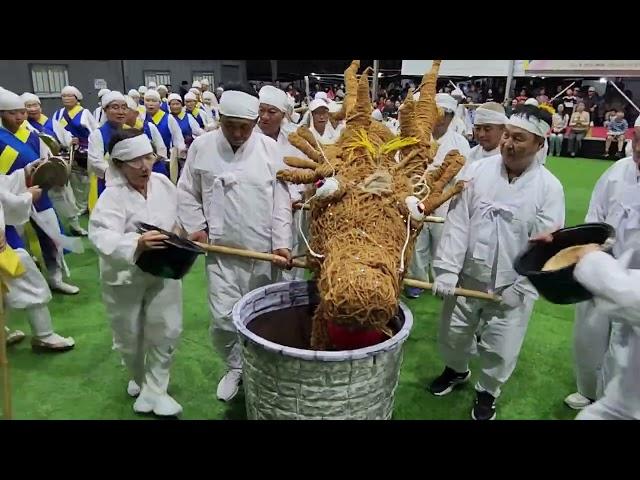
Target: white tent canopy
{"x": 526, "y": 68}
{"x": 463, "y": 68}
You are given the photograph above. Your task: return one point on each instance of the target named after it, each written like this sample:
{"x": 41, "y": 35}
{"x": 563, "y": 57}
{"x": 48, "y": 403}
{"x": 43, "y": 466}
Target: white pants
{"x": 146, "y": 319}
{"x": 64, "y": 202}
{"x": 80, "y": 184}
{"x": 424, "y": 251}
{"x": 30, "y": 292}
{"x": 603, "y": 409}
{"x": 502, "y": 331}
{"x": 599, "y": 346}
{"x": 229, "y": 279}
{"x": 299, "y": 247}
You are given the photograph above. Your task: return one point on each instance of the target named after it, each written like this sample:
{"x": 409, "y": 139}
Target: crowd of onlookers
{"x": 577, "y": 108}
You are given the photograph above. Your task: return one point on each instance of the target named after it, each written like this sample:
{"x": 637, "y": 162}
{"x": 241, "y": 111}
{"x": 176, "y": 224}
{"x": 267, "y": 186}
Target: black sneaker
{"x": 485, "y": 408}
{"x": 447, "y": 381}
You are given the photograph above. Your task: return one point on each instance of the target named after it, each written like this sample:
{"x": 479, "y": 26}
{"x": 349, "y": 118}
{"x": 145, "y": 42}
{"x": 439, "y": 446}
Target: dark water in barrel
{"x": 291, "y": 327}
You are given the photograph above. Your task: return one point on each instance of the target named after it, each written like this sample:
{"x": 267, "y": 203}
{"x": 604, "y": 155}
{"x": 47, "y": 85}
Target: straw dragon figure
{"x": 361, "y": 226}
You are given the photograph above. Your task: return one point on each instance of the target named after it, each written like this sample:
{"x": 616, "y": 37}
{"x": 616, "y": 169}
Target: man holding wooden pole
{"x": 228, "y": 194}
{"x": 508, "y": 198}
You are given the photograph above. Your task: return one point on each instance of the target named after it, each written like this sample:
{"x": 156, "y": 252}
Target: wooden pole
{"x": 4, "y": 362}
{"x": 269, "y": 257}
{"x": 461, "y": 292}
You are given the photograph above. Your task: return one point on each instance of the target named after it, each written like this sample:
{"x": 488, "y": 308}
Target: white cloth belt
{"x": 219, "y": 184}
{"x": 487, "y": 247}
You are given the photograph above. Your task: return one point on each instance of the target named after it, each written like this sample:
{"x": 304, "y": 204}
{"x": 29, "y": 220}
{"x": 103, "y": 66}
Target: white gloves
{"x": 445, "y": 284}
{"x": 511, "y": 297}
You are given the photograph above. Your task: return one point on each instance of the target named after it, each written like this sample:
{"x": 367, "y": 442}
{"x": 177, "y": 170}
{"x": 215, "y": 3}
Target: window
{"x": 161, "y": 78}
{"x": 202, "y": 75}
{"x": 49, "y": 80}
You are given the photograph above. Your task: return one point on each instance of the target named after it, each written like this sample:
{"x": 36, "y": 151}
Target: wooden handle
{"x": 267, "y": 257}
{"x": 428, "y": 219}
{"x": 461, "y": 292}
{"x": 4, "y": 362}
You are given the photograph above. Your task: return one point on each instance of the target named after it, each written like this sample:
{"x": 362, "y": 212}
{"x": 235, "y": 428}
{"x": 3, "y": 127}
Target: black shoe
{"x": 484, "y": 408}
{"x": 447, "y": 381}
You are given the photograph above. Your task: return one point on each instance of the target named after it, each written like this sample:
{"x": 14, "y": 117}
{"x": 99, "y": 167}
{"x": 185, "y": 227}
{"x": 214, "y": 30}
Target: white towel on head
{"x": 30, "y": 97}
{"x": 132, "y": 148}
{"x": 238, "y": 104}
{"x": 275, "y": 97}
{"x": 10, "y": 101}
{"x": 174, "y": 96}
{"x": 69, "y": 90}
{"x": 112, "y": 97}
{"x": 152, "y": 94}
{"x": 530, "y": 124}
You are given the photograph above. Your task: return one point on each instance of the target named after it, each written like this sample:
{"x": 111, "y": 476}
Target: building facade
{"x": 46, "y": 78}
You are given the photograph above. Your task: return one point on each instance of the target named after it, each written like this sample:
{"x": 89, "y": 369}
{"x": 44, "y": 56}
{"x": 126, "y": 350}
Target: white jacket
{"x": 87, "y": 120}
{"x": 112, "y": 226}
{"x": 491, "y": 221}
{"x": 616, "y": 200}
{"x": 236, "y": 196}
{"x": 617, "y": 294}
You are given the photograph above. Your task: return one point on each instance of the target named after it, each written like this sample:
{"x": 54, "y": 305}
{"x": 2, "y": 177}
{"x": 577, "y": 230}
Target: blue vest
{"x": 107, "y": 130}
{"x": 185, "y": 127}
{"x": 46, "y": 127}
{"x": 164, "y": 106}
{"x": 163, "y": 127}
{"x": 17, "y": 155}
{"x": 76, "y": 128}
{"x": 198, "y": 117}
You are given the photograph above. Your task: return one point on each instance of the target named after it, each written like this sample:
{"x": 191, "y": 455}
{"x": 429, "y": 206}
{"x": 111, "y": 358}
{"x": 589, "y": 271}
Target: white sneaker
{"x": 133, "y": 389}
{"x": 229, "y": 385}
{"x": 62, "y": 287}
{"x": 166, "y": 406}
{"x": 145, "y": 401}
{"x": 577, "y": 401}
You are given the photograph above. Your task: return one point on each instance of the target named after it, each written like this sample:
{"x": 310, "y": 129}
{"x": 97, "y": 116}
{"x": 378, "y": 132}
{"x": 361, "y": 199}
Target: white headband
{"x": 69, "y": 90}
{"x": 132, "y": 148}
{"x": 134, "y": 93}
{"x": 190, "y": 96}
{"x": 131, "y": 103}
{"x": 234, "y": 103}
{"x": 195, "y": 91}
{"x": 10, "y": 101}
{"x": 316, "y": 104}
{"x": 530, "y": 124}
{"x": 30, "y": 97}
{"x": 275, "y": 97}
{"x": 102, "y": 92}
{"x": 112, "y": 96}
{"x": 174, "y": 96}
{"x": 162, "y": 87}
{"x": 447, "y": 102}
{"x": 196, "y": 84}
{"x": 484, "y": 116}
{"x": 152, "y": 94}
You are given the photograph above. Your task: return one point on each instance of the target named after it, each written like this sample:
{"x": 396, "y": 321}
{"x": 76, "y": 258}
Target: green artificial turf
{"x": 89, "y": 382}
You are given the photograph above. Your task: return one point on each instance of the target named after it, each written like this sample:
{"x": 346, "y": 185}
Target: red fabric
{"x": 344, "y": 338}
{"x": 601, "y": 132}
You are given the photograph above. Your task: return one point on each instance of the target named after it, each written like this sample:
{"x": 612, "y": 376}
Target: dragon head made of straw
{"x": 362, "y": 231}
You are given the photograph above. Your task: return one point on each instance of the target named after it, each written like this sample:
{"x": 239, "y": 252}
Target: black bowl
{"x": 173, "y": 262}
{"x": 559, "y": 286}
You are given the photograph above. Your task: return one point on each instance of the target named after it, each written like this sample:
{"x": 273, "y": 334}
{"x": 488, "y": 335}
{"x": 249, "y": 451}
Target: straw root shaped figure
{"x": 362, "y": 231}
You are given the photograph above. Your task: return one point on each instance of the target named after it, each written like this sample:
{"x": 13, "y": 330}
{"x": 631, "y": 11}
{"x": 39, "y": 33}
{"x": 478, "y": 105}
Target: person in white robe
{"x": 98, "y": 113}
{"x": 429, "y": 237}
{"x": 596, "y": 340}
{"x": 145, "y": 311}
{"x": 26, "y": 288}
{"x": 79, "y": 178}
{"x": 508, "y": 198}
{"x": 228, "y": 194}
{"x": 616, "y": 295}
{"x": 489, "y": 122}
{"x": 272, "y": 121}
